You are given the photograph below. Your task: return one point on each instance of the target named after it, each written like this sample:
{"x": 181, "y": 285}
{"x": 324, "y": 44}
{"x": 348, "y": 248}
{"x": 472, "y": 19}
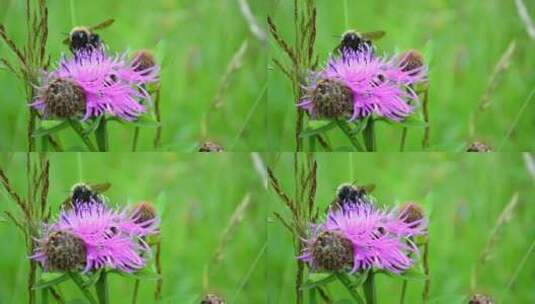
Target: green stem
{"x": 158, "y": 135}
{"x": 44, "y": 296}
{"x": 80, "y": 283}
{"x": 136, "y": 290}
{"x": 342, "y": 277}
{"x": 77, "y": 127}
{"x": 369, "y": 289}
{"x": 403, "y": 292}
{"x": 425, "y": 110}
{"x": 312, "y": 296}
{"x": 403, "y": 139}
{"x": 101, "y": 135}
{"x": 136, "y": 137}
{"x": 369, "y": 135}
{"x": 102, "y": 288}
{"x": 347, "y": 131}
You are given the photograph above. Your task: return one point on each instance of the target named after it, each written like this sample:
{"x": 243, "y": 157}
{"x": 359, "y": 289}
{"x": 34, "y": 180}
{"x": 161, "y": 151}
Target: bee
{"x": 84, "y": 37}
{"x": 84, "y": 193}
{"x": 356, "y": 41}
{"x": 350, "y": 193}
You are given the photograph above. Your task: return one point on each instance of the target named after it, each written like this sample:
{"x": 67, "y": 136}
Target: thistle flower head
{"x": 112, "y": 238}
{"x": 379, "y": 238}
{"x": 106, "y": 85}
{"x": 358, "y": 84}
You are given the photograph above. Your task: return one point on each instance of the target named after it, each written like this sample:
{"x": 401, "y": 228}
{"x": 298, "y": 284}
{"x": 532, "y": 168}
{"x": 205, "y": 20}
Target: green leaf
{"x": 101, "y": 136}
{"x": 91, "y": 279}
{"x": 344, "y": 149}
{"x": 49, "y": 127}
{"x": 414, "y": 121}
{"x": 344, "y": 301}
{"x": 316, "y": 127}
{"x": 92, "y": 125}
{"x": 429, "y": 204}
{"x": 160, "y": 204}
{"x": 359, "y": 279}
{"x": 49, "y": 279}
{"x": 161, "y": 53}
{"x": 317, "y": 280}
{"x": 414, "y": 274}
{"x": 428, "y": 52}
{"x": 146, "y": 121}
{"x": 359, "y": 125}
{"x": 77, "y": 301}
{"x": 144, "y": 274}
{"x": 102, "y": 288}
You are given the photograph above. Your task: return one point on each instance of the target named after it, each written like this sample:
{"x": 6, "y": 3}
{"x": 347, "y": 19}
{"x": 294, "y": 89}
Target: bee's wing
{"x": 67, "y": 40}
{"x": 102, "y": 25}
{"x": 375, "y": 35}
{"x": 101, "y": 187}
{"x": 368, "y": 188}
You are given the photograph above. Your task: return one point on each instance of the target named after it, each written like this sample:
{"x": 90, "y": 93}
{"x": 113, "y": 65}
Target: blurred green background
{"x": 200, "y": 201}
{"x": 467, "y": 192}
{"x": 467, "y": 39}
{"x": 198, "y": 39}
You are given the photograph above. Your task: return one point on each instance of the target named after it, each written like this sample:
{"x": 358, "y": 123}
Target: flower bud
{"x": 63, "y": 99}
{"x": 332, "y": 252}
{"x": 411, "y": 212}
{"x": 64, "y": 251}
{"x": 212, "y": 299}
{"x": 478, "y": 147}
{"x": 143, "y": 60}
{"x": 332, "y": 100}
{"x": 411, "y": 60}
{"x": 480, "y": 299}
{"x": 210, "y": 146}
{"x": 144, "y": 212}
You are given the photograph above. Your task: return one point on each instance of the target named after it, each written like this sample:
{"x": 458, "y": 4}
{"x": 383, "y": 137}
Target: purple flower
{"x": 358, "y": 84}
{"x": 108, "y": 238}
{"x": 97, "y": 84}
{"x": 361, "y": 237}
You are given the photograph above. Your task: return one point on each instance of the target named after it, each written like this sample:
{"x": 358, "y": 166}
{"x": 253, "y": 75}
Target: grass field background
{"x": 200, "y": 202}
{"x": 467, "y": 193}
{"x": 198, "y": 40}
{"x": 466, "y": 39}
